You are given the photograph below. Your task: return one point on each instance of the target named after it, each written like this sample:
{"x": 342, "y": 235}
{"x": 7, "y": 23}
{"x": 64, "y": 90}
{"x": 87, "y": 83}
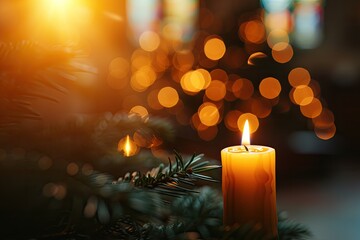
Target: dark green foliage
{"x": 169, "y": 180}
{"x": 289, "y": 230}
{"x": 122, "y": 209}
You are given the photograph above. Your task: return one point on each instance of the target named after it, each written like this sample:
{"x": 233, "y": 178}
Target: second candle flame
{"x": 245, "y": 140}
{"x": 127, "y": 147}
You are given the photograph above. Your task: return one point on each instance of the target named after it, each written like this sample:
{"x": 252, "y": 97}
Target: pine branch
{"x": 290, "y": 230}
{"x": 169, "y": 180}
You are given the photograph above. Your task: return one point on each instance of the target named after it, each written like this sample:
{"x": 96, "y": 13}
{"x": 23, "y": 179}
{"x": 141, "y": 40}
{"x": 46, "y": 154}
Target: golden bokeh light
{"x": 231, "y": 119}
{"x": 214, "y": 48}
{"x": 313, "y": 109}
{"x": 127, "y": 146}
{"x": 143, "y": 78}
{"x": 193, "y": 82}
{"x": 270, "y": 87}
{"x": 209, "y": 114}
{"x": 254, "y": 31}
{"x": 168, "y": 97}
{"x": 326, "y": 133}
{"x": 216, "y": 90}
{"x": 243, "y": 88}
{"x": 299, "y": 76}
{"x": 139, "y": 110}
{"x": 277, "y": 36}
{"x": 324, "y": 120}
{"x": 282, "y": 52}
{"x": 303, "y": 95}
{"x": 149, "y": 41}
{"x": 206, "y": 76}
{"x": 253, "y": 122}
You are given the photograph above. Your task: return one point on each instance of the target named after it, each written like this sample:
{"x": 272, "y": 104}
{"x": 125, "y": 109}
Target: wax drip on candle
{"x": 245, "y": 139}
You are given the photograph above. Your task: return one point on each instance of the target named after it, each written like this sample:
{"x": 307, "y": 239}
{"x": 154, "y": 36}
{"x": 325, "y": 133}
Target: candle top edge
{"x": 252, "y": 149}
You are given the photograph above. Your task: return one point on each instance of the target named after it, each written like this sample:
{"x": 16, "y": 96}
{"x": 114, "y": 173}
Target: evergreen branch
{"x": 289, "y": 230}
{"x": 166, "y": 180}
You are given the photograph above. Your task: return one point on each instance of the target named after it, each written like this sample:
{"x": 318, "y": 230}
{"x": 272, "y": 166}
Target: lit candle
{"x": 248, "y": 185}
{"x": 127, "y": 146}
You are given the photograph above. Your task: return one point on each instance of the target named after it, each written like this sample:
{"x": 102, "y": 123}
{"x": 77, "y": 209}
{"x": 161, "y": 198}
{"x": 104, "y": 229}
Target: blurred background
{"x": 292, "y": 67}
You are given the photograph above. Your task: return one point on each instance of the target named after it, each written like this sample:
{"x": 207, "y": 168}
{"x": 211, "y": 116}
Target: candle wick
{"x": 247, "y": 149}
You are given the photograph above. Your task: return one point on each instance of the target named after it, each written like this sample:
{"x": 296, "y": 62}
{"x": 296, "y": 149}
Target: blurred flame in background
{"x": 195, "y": 75}
{"x": 127, "y": 146}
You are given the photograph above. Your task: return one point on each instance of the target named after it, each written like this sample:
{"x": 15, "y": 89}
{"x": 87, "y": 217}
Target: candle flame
{"x": 127, "y": 147}
{"x": 245, "y": 140}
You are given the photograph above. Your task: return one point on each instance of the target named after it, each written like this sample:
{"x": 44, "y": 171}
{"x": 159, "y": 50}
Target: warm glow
{"x": 58, "y": 5}
{"x": 245, "y": 140}
{"x": 254, "y": 31}
{"x": 253, "y": 122}
{"x": 139, "y": 110}
{"x": 209, "y": 114}
{"x": 140, "y": 58}
{"x": 282, "y": 52}
{"x": 299, "y": 76}
{"x": 270, "y": 88}
{"x": 143, "y": 78}
{"x": 326, "y": 133}
{"x": 303, "y": 95}
{"x": 313, "y": 109}
{"x": 194, "y": 81}
{"x": 206, "y": 76}
{"x": 324, "y": 120}
{"x": 216, "y": 90}
{"x": 127, "y": 147}
{"x": 214, "y": 48}
{"x": 60, "y": 20}
{"x": 149, "y": 41}
{"x": 168, "y": 97}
